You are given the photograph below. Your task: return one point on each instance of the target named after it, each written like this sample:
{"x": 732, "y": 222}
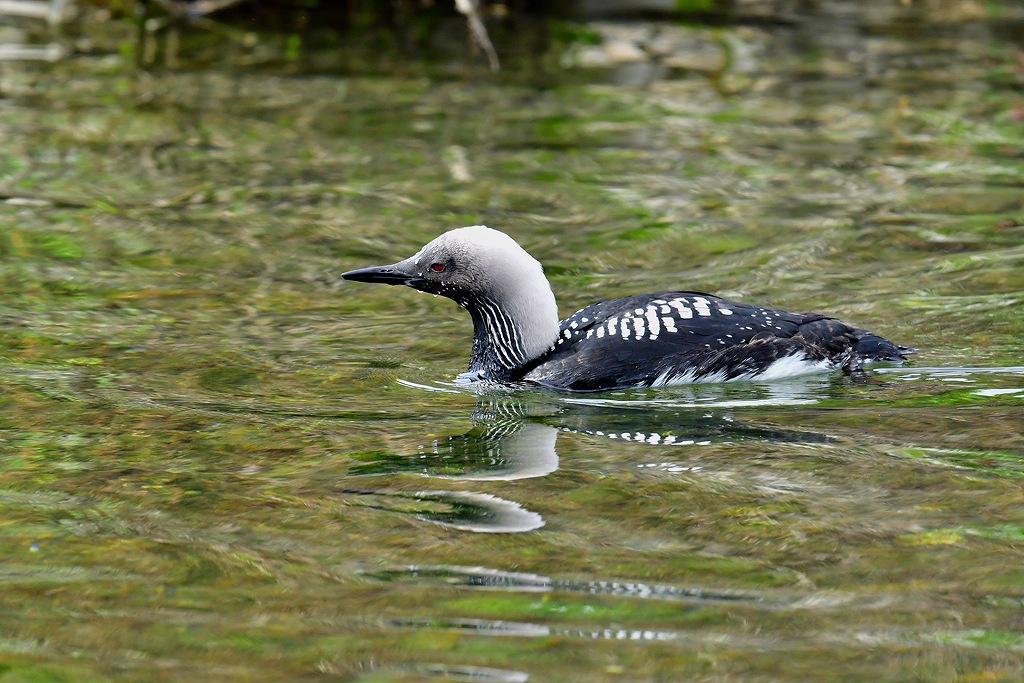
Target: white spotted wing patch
{"x": 671, "y": 315}
{"x": 683, "y": 311}
{"x": 677, "y": 320}
{"x": 653, "y": 322}
{"x": 701, "y": 306}
{"x": 641, "y": 327}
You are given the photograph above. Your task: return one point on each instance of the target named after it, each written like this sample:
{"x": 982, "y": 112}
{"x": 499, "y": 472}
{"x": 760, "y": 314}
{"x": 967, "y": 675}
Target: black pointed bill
{"x": 385, "y": 275}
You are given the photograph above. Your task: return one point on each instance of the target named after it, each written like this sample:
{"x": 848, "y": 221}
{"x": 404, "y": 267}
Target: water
{"x": 220, "y": 461}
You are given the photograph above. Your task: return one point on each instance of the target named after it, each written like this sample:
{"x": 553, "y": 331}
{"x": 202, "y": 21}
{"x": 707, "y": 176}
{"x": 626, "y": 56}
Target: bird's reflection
{"x": 512, "y": 439}
{"x": 499, "y": 447}
{"x": 674, "y": 428}
{"x": 463, "y": 510}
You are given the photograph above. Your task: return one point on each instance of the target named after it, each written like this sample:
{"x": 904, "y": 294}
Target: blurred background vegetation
{"x": 363, "y": 36}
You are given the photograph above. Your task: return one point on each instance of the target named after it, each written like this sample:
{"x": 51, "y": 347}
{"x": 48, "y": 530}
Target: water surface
{"x": 220, "y": 461}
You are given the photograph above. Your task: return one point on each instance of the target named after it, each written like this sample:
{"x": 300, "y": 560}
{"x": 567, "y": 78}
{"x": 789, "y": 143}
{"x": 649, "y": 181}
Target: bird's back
{"x": 685, "y": 337}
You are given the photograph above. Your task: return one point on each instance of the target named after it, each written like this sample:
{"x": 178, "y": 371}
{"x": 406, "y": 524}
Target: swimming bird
{"x": 649, "y": 340}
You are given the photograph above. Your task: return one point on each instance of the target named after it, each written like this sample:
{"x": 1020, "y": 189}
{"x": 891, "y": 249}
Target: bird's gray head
{"x": 515, "y": 318}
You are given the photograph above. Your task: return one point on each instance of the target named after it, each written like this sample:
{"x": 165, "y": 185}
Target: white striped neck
{"x": 498, "y": 341}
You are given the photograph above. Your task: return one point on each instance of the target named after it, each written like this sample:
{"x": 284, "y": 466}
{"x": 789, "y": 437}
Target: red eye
{"x": 437, "y": 267}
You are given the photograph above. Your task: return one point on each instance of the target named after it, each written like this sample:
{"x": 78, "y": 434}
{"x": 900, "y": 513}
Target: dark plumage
{"x": 646, "y": 340}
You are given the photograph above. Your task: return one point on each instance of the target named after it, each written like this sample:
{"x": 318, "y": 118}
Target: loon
{"x": 649, "y": 340}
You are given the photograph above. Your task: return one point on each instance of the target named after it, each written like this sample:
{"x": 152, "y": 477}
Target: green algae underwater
{"x": 221, "y": 462}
